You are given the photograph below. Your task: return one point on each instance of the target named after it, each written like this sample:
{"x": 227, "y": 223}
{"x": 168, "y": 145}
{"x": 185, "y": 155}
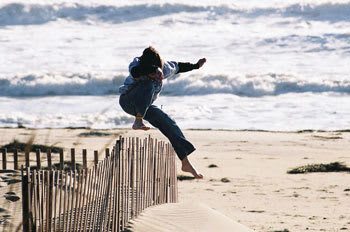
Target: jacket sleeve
{"x": 139, "y": 70}
{"x": 185, "y": 67}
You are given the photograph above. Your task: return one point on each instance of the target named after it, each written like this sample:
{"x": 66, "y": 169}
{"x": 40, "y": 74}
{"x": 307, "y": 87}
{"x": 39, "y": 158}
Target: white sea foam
{"x": 288, "y": 112}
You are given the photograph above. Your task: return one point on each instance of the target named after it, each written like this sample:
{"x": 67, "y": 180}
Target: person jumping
{"x": 142, "y": 87}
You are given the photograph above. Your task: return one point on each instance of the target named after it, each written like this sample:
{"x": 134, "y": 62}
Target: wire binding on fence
{"x": 45, "y": 160}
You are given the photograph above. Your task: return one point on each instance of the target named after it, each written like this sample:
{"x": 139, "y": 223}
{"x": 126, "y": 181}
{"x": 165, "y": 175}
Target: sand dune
{"x": 184, "y": 217}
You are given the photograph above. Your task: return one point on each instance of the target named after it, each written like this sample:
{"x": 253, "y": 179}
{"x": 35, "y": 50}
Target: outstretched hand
{"x": 201, "y": 62}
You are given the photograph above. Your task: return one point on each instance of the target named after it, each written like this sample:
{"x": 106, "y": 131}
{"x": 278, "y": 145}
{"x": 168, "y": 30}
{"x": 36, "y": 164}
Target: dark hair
{"x": 150, "y": 57}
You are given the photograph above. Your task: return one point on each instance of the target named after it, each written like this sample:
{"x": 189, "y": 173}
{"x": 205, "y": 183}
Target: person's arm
{"x": 139, "y": 70}
{"x": 186, "y": 67}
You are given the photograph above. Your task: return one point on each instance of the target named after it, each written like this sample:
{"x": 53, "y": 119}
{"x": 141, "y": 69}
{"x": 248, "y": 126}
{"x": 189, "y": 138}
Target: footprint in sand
{"x": 4, "y": 219}
{"x": 212, "y": 166}
{"x": 11, "y": 196}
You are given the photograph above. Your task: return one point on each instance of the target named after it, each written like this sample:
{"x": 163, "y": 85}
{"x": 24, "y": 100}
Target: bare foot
{"x": 138, "y": 125}
{"x": 187, "y": 167}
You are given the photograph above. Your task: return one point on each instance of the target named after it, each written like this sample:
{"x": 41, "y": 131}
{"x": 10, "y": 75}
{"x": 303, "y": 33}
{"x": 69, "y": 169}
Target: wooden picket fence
{"x": 137, "y": 174}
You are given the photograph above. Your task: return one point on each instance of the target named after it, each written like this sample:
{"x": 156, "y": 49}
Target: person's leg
{"x": 141, "y": 96}
{"x": 126, "y": 104}
{"x": 168, "y": 127}
{"x": 137, "y": 101}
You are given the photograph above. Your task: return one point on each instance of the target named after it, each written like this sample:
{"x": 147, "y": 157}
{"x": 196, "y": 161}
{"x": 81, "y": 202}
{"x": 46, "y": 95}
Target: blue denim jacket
{"x": 170, "y": 68}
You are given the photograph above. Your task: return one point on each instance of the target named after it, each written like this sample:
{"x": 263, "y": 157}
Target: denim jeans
{"x": 139, "y": 100}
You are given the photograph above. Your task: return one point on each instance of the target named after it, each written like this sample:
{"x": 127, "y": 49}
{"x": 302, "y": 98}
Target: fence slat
{"x": 133, "y": 177}
{"x": 143, "y": 176}
{"x": 64, "y": 206}
{"x": 116, "y": 187}
{"x": 94, "y": 198}
{"x": 88, "y": 199}
{"x": 36, "y": 197}
{"x": 60, "y": 177}
{"x": 77, "y": 213}
{"x": 122, "y": 189}
{"x": 73, "y": 198}
{"x": 77, "y": 178}
{"x": 48, "y": 201}
{"x": 54, "y": 199}
{"x": 150, "y": 169}
{"x": 42, "y": 193}
{"x": 101, "y": 190}
{"x": 110, "y": 192}
{"x": 106, "y": 195}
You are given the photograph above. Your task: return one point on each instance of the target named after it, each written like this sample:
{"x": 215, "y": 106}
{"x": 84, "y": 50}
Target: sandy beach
{"x": 260, "y": 88}
{"x": 245, "y": 175}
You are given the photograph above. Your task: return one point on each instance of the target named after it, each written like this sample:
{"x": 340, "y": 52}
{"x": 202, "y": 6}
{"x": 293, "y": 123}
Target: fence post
{"x": 61, "y": 160}
{"x": 4, "y": 151}
{"x": 72, "y": 158}
{"x": 95, "y": 158}
{"x": 116, "y": 204}
{"x": 38, "y": 161}
{"x": 107, "y": 152}
{"x": 25, "y": 202}
{"x": 27, "y": 159}
{"x": 49, "y": 160}
{"x": 15, "y": 159}
{"x": 84, "y": 158}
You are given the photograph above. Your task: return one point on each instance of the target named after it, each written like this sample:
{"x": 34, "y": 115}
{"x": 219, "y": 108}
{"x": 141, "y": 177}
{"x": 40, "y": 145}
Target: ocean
{"x": 271, "y": 65}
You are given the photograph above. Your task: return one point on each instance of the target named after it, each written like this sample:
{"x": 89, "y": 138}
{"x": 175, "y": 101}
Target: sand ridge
{"x": 184, "y": 217}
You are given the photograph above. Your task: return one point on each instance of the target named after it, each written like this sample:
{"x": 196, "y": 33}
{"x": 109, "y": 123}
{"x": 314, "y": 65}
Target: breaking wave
{"x": 26, "y": 14}
{"x": 90, "y": 84}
